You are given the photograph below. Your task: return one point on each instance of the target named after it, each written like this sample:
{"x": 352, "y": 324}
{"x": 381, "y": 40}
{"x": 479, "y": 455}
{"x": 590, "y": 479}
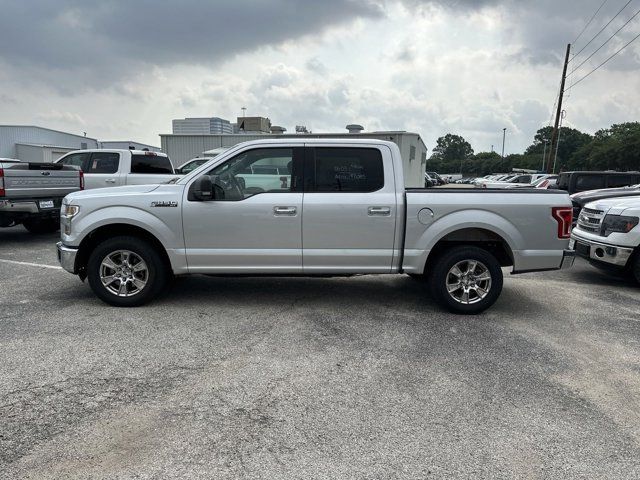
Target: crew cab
{"x": 112, "y": 168}
{"x": 330, "y": 207}
{"x": 607, "y": 234}
{"x": 31, "y": 193}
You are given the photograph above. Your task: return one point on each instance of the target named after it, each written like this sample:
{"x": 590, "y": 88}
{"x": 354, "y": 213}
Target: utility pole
{"x": 504, "y": 134}
{"x": 544, "y": 155}
{"x": 554, "y": 137}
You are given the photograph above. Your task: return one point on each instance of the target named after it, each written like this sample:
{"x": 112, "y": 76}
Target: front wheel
{"x": 466, "y": 280}
{"x": 126, "y": 271}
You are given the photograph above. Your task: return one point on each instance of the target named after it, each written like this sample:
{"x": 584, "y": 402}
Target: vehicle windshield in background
{"x": 150, "y": 164}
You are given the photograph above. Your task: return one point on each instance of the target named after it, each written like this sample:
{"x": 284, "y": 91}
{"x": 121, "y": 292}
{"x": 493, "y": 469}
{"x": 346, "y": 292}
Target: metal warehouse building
{"x": 181, "y": 148}
{"x": 37, "y": 144}
{"x": 30, "y": 143}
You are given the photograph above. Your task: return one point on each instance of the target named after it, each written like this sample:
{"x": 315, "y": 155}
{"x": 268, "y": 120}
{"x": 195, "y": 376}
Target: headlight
{"x": 69, "y": 211}
{"x": 617, "y": 223}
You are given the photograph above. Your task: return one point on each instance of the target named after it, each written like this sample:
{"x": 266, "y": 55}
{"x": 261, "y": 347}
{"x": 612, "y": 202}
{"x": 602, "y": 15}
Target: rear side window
{"x": 76, "y": 159}
{"x": 589, "y": 182}
{"x": 150, "y": 164}
{"x": 621, "y": 180}
{"x": 348, "y": 170}
{"x": 103, "y": 162}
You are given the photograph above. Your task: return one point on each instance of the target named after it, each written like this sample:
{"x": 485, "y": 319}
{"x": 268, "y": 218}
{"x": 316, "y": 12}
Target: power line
{"x": 589, "y": 22}
{"x": 603, "y": 63}
{"x": 603, "y": 28}
{"x": 608, "y": 39}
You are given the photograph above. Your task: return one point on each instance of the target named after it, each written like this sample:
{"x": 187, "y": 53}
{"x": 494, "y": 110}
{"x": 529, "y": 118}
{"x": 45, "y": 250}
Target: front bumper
{"x": 67, "y": 257}
{"x": 601, "y": 252}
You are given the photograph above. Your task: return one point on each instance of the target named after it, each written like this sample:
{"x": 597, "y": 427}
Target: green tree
{"x": 614, "y": 148}
{"x": 452, "y": 147}
{"x": 570, "y": 141}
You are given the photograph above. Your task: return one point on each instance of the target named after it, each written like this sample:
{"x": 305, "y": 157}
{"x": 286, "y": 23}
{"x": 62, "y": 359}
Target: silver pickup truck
{"x": 311, "y": 207}
{"x": 31, "y": 193}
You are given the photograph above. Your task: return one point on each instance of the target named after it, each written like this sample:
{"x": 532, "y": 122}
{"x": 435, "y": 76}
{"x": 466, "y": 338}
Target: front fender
{"x": 171, "y": 238}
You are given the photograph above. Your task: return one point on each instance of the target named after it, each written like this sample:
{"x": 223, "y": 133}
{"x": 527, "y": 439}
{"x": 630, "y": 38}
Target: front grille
{"x": 590, "y": 220}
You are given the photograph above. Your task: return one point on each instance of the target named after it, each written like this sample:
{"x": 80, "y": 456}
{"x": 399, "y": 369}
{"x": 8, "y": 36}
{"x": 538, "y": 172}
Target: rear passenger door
{"x": 349, "y": 210}
{"x": 101, "y": 170}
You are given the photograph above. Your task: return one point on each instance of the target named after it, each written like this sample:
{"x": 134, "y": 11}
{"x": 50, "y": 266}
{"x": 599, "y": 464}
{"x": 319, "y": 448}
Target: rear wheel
{"x": 466, "y": 280}
{"x": 126, "y": 271}
{"x": 38, "y": 227}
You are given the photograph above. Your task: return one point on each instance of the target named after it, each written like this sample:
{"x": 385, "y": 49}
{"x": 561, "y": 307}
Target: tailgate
{"x": 39, "y": 180}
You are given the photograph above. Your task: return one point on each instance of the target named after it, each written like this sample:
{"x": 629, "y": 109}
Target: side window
{"x": 104, "y": 162}
{"x": 150, "y": 163}
{"x": 589, "y": 182}
{"x": 255, "y": 171}
{"x": 348, "y": 169}
{"x": 620, "y": 180}
{"x": 76, "y": 159}
{"x": 524, "y": 179}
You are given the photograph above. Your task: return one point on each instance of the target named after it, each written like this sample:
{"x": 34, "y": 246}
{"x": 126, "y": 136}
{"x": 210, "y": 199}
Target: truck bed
{"x": 521, "y": 218}
{"x": 35, "y": 180}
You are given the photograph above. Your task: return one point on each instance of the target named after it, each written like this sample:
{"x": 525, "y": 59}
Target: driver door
{"x": 256, "y": 225}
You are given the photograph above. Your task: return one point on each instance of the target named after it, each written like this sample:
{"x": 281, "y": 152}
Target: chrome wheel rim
{"x": 468, "y": 282}
{"x": 124, "y": 273}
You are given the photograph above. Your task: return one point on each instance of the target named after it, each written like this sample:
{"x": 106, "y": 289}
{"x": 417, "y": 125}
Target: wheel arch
{"x": 104, "y": 232}
{"x": 480, "y": 237}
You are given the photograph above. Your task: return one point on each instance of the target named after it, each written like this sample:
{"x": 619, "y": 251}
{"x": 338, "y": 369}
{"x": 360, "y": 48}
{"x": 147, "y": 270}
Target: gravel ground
{"x": 315, "y": 378}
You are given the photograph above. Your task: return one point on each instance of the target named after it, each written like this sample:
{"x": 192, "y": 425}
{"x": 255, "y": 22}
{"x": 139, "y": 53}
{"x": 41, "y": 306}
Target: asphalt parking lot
{"x": 315, "y": 378}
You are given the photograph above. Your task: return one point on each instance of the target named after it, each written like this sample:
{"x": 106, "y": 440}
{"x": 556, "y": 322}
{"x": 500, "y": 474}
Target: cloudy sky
{"x": 122, "y": 69}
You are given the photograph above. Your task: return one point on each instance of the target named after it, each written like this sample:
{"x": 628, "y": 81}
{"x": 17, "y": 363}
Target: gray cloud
{"x": 98, "y": 38}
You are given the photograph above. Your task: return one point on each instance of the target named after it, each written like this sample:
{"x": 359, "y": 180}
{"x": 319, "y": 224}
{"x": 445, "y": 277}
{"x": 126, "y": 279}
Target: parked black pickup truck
{"x": 31, "y": 193}
{"x": 574, "y": 182}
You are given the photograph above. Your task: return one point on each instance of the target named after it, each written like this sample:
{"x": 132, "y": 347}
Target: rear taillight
{"x": 563, "y": 215}
{"x": 1, "y": 182}
{"x": 81, "y": 180}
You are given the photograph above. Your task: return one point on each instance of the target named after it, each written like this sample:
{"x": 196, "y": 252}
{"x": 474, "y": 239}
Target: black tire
{"x": 440, "y": 275}
{"x": 156, "y": 274}
{"x": 635, "y": 269}
{"x": 42, "y": 226}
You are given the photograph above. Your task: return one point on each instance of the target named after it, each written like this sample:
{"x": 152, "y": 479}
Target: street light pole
{"x": 544, "y": 154}
{"x": 504, "y": 134}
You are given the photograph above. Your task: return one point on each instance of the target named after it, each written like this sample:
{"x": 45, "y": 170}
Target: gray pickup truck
{"x": 311, "y": 207}
{"x": 31, "y": 193}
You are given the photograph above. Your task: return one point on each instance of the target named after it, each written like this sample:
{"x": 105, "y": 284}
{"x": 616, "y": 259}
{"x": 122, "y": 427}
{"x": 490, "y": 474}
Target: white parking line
{"x": 29, "y": 264}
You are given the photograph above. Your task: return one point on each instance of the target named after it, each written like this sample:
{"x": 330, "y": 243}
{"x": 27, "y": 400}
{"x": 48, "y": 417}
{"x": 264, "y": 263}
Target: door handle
{"x": 110, "y": 180}
{"x": 285, "y": 211}
{"x": 379, "y": 211}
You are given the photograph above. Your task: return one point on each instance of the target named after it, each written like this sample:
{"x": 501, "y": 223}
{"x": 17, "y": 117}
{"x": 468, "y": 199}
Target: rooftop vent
{"x": 355, "y": 128}
{"x": 277, "y": 130}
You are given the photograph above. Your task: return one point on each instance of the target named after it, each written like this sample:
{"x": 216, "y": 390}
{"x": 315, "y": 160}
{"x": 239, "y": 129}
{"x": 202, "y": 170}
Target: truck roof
{"x": 120, "y": 150}
{"x": 305, "y": 140}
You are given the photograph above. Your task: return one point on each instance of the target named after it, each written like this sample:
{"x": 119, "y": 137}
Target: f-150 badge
{"x": 164, "y": 204}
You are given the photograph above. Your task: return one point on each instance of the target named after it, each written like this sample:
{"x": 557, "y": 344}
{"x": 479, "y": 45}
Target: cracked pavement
{"x": 315, "y": 378}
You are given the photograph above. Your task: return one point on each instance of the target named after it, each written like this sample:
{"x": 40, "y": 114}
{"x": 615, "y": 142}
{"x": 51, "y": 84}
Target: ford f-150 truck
{"x": 607, "y": 234}
{"x": 336, "y": 207}
{"x": 31, "y": 193}
{"x": 114, "y": 168}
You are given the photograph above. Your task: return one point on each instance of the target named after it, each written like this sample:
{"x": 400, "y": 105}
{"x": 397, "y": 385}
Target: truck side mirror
{"x": 202, "y": 188}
